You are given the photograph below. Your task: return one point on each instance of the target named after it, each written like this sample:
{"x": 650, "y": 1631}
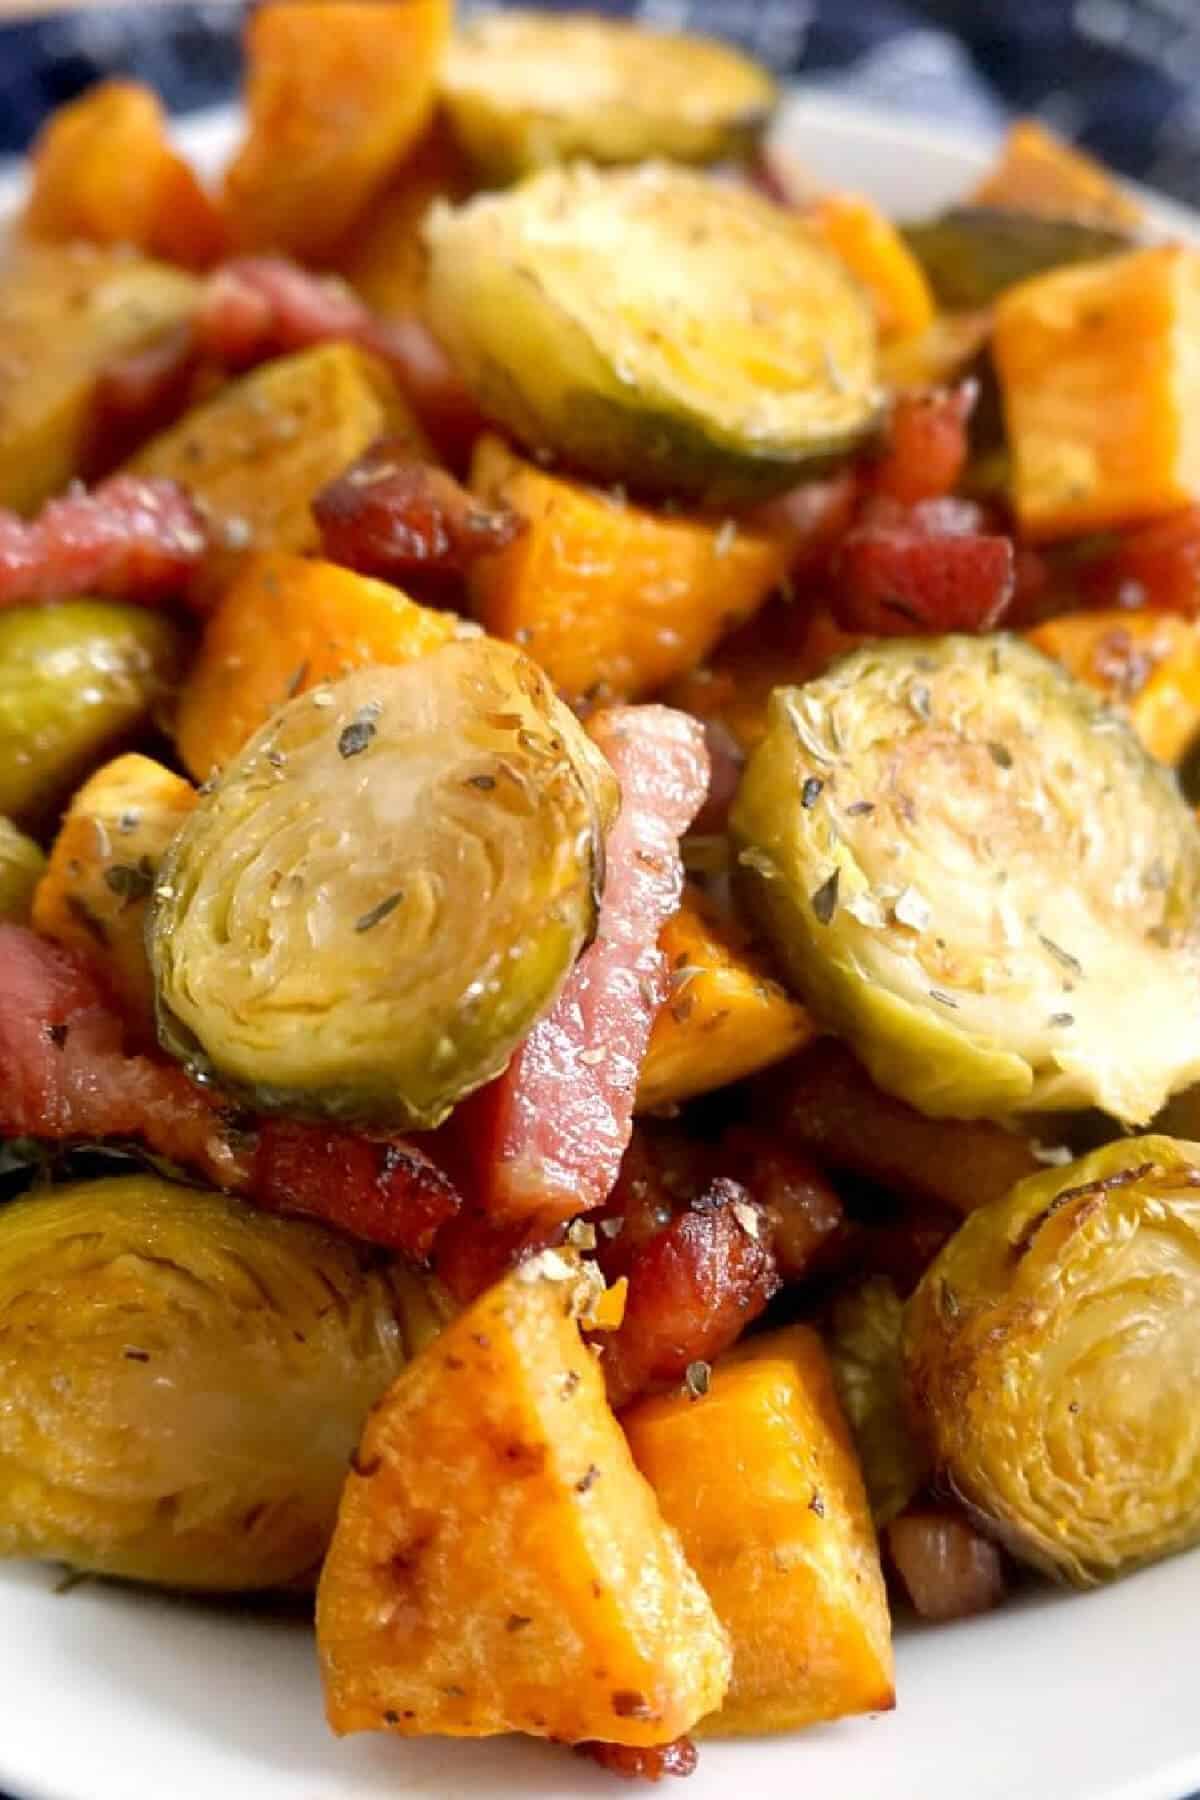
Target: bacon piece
{"x": 386, "y": 1191}
{"x": 128, "y": 539}
{"x": 392, "y": 516}
{"x": 140, "y": 394}
{"x": 948, "y": 1570}
{"x": 929, "y": 568}
{"x": 472, "y": 1251}
{"x": 1154, "y": 565}
{"x": 647, "y": 1764}
{"x": 65, "y": 1077}
{"x": 261, "y": 306}
{"x": 551, "y": 1131}
{"x": 64, "y": 1074}
{"x": 807, "y": 1220}
{"x": 925, "y": 448}
{"x": 693, "y": 1289}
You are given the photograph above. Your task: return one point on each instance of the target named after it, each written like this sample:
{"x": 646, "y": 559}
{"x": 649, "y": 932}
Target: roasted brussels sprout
{"x": 75, "y": 680}
{"x": 523, "y": 89}
{"x": 385, "y": 889}
{"x": 656, "y": 327}
{"x": 1052, "y": 1353}
{"x": 183, "y": 1380}
{"x": 974, "y": 873}
{"x": 972, "y": 253}
{"x": 21, "y": 866}
{"x": 864, "y": 1347}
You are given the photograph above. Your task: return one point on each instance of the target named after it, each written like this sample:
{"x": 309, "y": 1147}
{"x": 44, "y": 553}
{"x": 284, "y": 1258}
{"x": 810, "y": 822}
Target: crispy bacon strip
{"x": 551, "y": 1131}
{"x": 648, "y": 1764}
{"x": 128, "y": 539}
{"x": 261, "y": 306}
{"x": 65, "y": 1077}
{"x": 392, "y": 516}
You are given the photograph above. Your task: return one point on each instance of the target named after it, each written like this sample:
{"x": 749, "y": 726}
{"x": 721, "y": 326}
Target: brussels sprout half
{"x": 523, "y": 89}
{"x": 971, "y": 254}
{"x": 656, "y": 327}
{"x": 1053, "y": 1354}
{"x": 384, "y": 890}
{"x": 183, "y": 1380}
{"x": 974, "y": 873}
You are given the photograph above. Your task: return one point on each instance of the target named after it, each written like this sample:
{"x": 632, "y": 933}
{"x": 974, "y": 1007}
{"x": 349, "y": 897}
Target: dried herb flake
{"x": 825, "y": 899}
{"x": 378, "y": 913}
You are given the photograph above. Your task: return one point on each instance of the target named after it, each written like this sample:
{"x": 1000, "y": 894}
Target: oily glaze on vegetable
{"x": 655, "y": 327}
{"x": 384, "y": 890}
{"x": 1052, "y": 1354}
{"x": 182, "y": 1381}
{"x": 975, "y": 874}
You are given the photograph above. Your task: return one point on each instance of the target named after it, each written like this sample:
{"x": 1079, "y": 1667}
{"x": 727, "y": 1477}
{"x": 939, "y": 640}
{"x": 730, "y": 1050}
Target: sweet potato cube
{"x": 864, "y": 238}
{"x": 384, "y": 256}
{"x": 760, "y": 1479}
{"x": 1098, "y": 372}
{"x": 287, "y": 623}
{"x": 104, "y": 169}
{"x": 256, "y": 454}
{"x": 499, "y": 1564}
{"x": 606, "y": 595}
{"x": 1036, "y": 172}
{"x": 97, "y": 885}
{"x": 1146, "y": 665}
{"x": 726, "y": 1016}
{"x": 335, "y": 95}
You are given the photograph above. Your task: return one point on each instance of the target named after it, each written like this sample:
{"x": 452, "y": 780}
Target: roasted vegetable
{"x": 95, "y": 894}
{"x": 974, "y": 873}
{"x": 21, "y": 865}
{"x": 335, "y": 96}
{"x": 65, "y": 314}
{"x": 1050, "y": 1356}
{"x": 1100, "y": 392}
{"x": 758, "y": 1476}
{"x": 499, "y": 1564}
{"x": 864, "y": 1349}
{"x": 528, "y": 88}
{"x": 75, "y": 680}
{"x": 726, "y": 1016}
{"x": 971, "y": 254}
{"x": 104, "y": 169}
{"x": 607, "y": 596}
{"x": 1037, "y": 172}
{"x": 871, "y": 247}
{"x": 284, "y": 625}
{"x": 385, "y": 889}
{"x": 1145, "y": 664}
{"x": 182, "y": 1380}
{"x": 384, "y": 256}
{"x": 552, "y": 299}
{"x": 256, "y": 455}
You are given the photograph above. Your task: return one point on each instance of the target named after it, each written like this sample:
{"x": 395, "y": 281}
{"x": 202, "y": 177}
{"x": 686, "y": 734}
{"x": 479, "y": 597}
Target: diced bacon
{"x": 385, "y": 1191}
{"x": 1154, "y": 565}
{"x": 394, "y": 517}
{"x": 473, "y": 1251}
{"x": 925, "y": 447}
{"x": 65, "y": 1077}
{"x": 139, "y": 394}
{"x": 549, "y": 1133}
{"x": 128, "y": 539}
{"x": 925, "y": 569}
{"x": 807, "y": 1220}
{"x": 948, "y": 1570}
{"x": 647, "y": 1764}
{"x": 262, "y": 306}
{"x": 694, "y": 1286}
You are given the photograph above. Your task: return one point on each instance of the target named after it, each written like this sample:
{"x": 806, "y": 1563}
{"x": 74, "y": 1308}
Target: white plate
{"x": 108, "y": 1694}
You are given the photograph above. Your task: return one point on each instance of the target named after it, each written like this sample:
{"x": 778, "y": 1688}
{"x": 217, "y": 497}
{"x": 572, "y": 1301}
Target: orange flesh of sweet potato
{"x": 1037, "y": 172}
{"x": 726, "y": 1016}
{"x": 104, "y": 170}
{"x": 606, "y": 595}
{"x": 761, "y": 1481}
{"x": 285, "y": 624}
{"x": 1146, "y": 664}
{"x": 100, "y": 876}
{"x": 499, "y": 1564}
{"x": 1098, "y": 374}
{"x": 877, "y": 256}
{"x": 335, "y": 96}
